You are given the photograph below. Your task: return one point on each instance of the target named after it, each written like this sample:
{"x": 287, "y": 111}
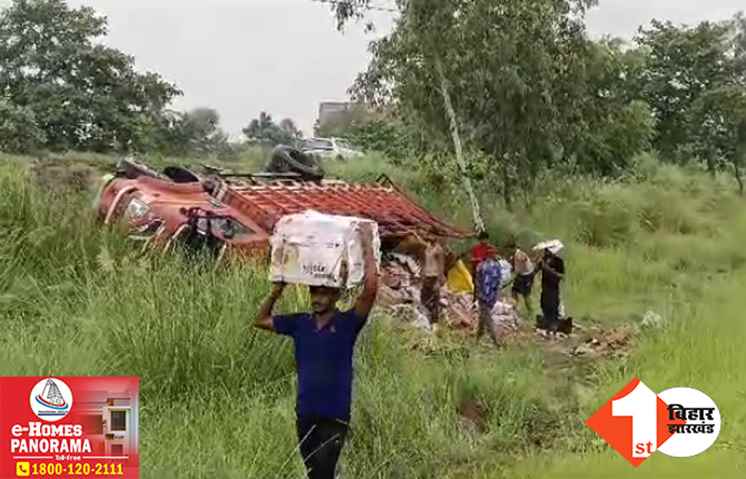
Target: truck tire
{"x": 285, "y": 159}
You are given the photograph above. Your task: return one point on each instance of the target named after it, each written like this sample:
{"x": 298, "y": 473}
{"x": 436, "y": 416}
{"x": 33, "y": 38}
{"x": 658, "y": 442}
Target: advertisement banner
{"x": 69, "y": 427}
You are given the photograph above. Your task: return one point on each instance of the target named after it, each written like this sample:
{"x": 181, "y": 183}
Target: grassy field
{"x": 217, "y": 397}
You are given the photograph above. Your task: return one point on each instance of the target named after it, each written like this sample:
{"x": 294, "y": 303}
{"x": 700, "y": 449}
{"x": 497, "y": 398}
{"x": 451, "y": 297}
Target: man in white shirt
{"x": 523, "y": 282}
{"x": 433, "y": 277}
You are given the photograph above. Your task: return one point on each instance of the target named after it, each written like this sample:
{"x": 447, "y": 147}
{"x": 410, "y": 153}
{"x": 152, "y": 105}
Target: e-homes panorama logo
{"x": 51, "y": 399}
{"x": 679, "y": 422}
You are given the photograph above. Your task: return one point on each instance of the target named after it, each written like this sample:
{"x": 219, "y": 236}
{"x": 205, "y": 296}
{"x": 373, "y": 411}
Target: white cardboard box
{"x": 315, "y": 249}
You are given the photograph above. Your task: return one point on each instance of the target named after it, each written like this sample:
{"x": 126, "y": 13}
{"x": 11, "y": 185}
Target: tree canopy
{"x": 264, "y": 130}
{"x": 521, "y": 77}
{"x": 530, "y": 90}
{"x": 80, "y": 93}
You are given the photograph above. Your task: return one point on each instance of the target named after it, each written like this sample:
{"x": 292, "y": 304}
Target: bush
{"x": 669, "y": 211}
{"x": 645, "y": 166}
{"x": 19, "y": 131}
{"x": 606, "y": 221}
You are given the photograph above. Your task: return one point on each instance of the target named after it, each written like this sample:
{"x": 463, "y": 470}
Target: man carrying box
{"x": 324, "y": 344}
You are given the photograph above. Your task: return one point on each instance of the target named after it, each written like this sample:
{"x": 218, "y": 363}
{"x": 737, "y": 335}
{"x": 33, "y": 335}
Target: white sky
{"x": 285, "y": 56}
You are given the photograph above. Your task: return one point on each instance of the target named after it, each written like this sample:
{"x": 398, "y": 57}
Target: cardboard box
{"x": 316, "y": 249}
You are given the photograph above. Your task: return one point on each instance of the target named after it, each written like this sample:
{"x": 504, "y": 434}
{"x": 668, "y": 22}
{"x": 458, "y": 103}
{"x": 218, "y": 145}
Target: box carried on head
{"x": 317, "y": 249}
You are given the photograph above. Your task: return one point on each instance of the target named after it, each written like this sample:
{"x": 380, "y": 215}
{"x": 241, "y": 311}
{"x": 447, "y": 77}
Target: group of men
{"x": 324, "y": 339}
{"x": 488, "y": 273}
{"x": 489, "y": 281}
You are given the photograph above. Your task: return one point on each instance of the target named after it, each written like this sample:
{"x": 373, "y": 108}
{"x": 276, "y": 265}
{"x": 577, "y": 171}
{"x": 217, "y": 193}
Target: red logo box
{"x": 634, "y": 410}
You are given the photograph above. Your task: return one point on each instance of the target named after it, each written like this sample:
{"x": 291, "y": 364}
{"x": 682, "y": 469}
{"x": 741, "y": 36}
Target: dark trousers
{"x": 550, "y": 305}
{"x": 430, "y": 297}
{"x": 321, "y": 442}
{"x": 486, "y": 322}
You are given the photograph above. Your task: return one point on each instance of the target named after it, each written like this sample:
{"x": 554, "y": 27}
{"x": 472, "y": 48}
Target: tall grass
{"x": 75, "y": 299}
{"x": 701, "y": 348}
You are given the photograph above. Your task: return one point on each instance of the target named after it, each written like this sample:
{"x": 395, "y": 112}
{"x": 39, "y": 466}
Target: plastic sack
{"x": 555, "y": 246}
{"x": 459, "y": 279}
{"x": 506, "y": 272}
{"x": 320, "y": 250}
{"x": 502, "y": 308}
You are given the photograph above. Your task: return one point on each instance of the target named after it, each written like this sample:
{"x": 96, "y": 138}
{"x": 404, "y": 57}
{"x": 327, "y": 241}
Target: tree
{"x": 720, "y": 134}
{"x": 83, "y": 94}
{"x": 682, "y": 64}
{"x": 200, "y": 132}
{"x": 193, "y": 133}
{"x": 610, "y": 124}
{"x": 265, "y": 131}
{"x": 717, "y": 119}
{"x": 19, "y": 132}
{"x": 293, "y": 132}
{"x": 739, "y": 43}
{"x": 521, "y": 82}
{"x": 415, "y": 35}
{"x": 505, "y": 74}
{"x": 348, "y": 9}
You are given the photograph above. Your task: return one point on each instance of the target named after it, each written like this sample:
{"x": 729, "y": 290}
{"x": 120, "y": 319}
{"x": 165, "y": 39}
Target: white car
{"x": 336, "y": 148}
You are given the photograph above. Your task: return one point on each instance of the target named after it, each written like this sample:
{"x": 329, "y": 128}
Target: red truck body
{"x": 241, "y": 214}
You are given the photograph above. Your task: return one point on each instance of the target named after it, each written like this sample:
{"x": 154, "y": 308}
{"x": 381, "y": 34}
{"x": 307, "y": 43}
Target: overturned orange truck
{"x": 233, "y": 215}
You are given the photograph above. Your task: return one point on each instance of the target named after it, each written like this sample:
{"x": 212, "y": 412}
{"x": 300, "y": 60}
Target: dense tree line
{"x": 64, "y": 90}
{"x": 264, "y": 131}
{"x": 531, "y": 92}
{"x": 61, "y": 89}
{"x": 518, "y": 85}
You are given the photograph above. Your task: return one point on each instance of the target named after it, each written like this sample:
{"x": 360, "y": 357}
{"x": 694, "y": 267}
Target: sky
{"x": 285, "y": 56}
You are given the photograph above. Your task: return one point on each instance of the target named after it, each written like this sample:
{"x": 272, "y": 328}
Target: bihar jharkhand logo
{"x": 51, "y": 399}
{"x": 679, "y": 422}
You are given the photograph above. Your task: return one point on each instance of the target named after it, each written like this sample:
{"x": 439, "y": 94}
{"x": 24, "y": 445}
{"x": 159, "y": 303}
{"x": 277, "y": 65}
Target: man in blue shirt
{"x": 324, "y": 344}
{"x": 487, "y": 291}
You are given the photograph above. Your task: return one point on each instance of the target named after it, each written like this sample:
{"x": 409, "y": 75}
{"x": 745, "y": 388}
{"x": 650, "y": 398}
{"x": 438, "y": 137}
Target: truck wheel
{"x": 285, "y": 159}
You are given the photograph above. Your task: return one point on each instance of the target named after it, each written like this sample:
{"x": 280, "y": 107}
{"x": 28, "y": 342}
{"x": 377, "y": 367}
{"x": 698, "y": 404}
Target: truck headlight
{"x": 136, "y": 209}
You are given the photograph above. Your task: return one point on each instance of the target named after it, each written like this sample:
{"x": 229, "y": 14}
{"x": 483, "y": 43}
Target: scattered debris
{"x": 505, "y": 319}
{"x": 461, "y": 311}
{"x": 412, "y": 315}
{"x": 612, "y": 343}
{"x": 400, "y": 294}
{"x": 653, "y": 320}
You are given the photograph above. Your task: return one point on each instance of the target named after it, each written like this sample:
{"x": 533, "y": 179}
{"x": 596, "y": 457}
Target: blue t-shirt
{"x": 324, "y": 361}
{"x": 488, "y": 282}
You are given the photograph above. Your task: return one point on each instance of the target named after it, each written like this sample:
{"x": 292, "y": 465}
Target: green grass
{"x": 78, "y": 300}
{"x": 701, "y": 348}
